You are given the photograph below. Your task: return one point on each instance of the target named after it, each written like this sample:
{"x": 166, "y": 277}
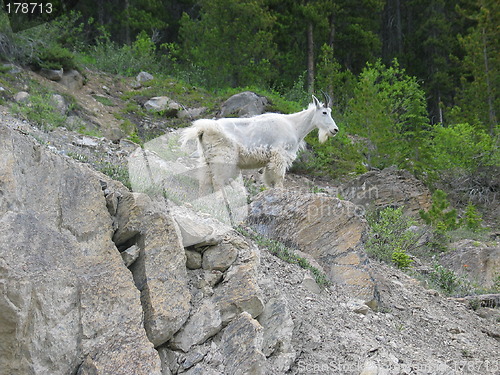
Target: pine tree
{"x": 440, "y": 215}
{"x": 480, "y": 93}
{"x": 231, "y": 41}
{"x": 388, "y": 107}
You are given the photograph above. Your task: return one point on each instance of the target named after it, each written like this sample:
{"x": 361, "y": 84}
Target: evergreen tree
{"x": 231, "y": 42}
{"x": 339, "y": 24}
{"x": 479, "y": 96}
{"x": 440, "y": 215}
{"x": 425, "y": 42}
{"x": 388, "y": 107}
{"x": 337, "y": 81}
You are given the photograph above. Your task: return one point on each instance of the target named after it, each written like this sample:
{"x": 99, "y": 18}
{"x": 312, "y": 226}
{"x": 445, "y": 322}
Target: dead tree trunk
{"x": 310, "y": 58}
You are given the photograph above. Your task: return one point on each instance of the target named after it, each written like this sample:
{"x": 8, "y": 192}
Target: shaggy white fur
{"x": 269, "y": 141}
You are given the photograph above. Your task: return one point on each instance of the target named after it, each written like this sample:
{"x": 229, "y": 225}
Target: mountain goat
{"x": 270, "y": 141}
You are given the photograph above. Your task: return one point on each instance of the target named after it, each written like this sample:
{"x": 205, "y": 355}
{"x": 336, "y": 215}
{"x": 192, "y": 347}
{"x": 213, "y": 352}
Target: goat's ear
{"x": 316, "y": 102}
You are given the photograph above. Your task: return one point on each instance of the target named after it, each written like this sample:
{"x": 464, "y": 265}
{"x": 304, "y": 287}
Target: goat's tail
{"x": 199, "y": 128}
{"x": 189, "y": 134}
{"x": 204, "y": 132}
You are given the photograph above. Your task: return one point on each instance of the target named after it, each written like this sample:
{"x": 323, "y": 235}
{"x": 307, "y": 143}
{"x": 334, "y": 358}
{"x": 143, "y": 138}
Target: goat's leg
{"x": 223, "y": 167}
{"x": 205, "y": 179}
{"x": 220, "y": 158}
{"x": 274, "y": 172}
{"x": 223, "y": 170}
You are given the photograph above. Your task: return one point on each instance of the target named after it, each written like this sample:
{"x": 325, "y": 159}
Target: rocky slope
{"x": 96, "y": 279}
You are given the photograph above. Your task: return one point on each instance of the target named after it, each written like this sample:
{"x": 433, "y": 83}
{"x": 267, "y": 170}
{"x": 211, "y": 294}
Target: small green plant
{"x": 440, "y": 238}
{"x": 103, "y": 100}
{"x": 4, "y": 69}
{"x": 283, "y": 252}
{"x": 316, "y": 189}
{"x": 116, "y": 172}
{"x": 78, "y": 157}
{"x": 401, "y": 259}
{"x": 135, "y": 138}
{"x": 127, "y": 60}
{"x": 390, "y": 237}
{"x": 475, "y": 304}
{"x": 472, "y": 219}
{"x": 40, "y": 109}
{"x": 440, "y": 214}
{"x": 447, "y": 280}
{"x": 466, "y": 353}
{"x": 89, "y": 131}
{"x": 55, "y": 57}
{"x": 400, "y": 327}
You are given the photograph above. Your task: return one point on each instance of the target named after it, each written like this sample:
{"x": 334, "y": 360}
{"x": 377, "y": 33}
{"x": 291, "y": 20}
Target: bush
{"x": 335, "y": 158}
{"x": 40, "y": 109}
{"x": 461, "y": 146}
{"x": 389, "y": 108}
{"x": 440, "y": 215}
{"x": 126, "y": 60}
{"x": 54, "y": 57}
{"x": 50, "y": 45}
{"x": 390, "y": 237}
{"x": 448, "y": 281}
{"x": 472, "y": 219}
{"x": 401, "y": 259}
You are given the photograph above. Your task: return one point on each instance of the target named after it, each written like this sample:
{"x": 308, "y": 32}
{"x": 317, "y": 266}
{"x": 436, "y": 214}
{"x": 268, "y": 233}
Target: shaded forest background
{"x": 414, "y": 83}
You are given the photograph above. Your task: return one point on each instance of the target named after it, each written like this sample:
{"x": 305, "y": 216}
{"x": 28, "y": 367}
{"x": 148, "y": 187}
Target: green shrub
{"x": 135, "y": 138}
{"x": 39, "y": 109}
{"x": 335, "y": 158}
{"x": 448, "y": 281}
{"x": 285, "y": 253}
{"x": 440, "y": 238}
{"x": 50, "y": 44}
{"x": 104, "y": 100}
{"x": 389, "y": 108}
{"x": 472, "y": 219}
{"x": 461, "y": 146}
{"x": 390, "y": 237}
{"x": 401, "y": 259}
{"x": 126, "y": 60}
{"x": 55, "y": 57}
{"x": 116, "y": 172}
{"x": 440, "y": 215}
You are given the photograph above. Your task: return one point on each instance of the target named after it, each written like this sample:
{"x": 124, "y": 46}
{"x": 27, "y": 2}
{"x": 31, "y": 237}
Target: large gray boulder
{"x": 68, "y": 304}
{"x": 22, "y": 97}
{"x": 160, "y": 271}
{"x": 163, "y": 104}
{"x": 52, "y": 74}
{"x": 329, "y": 229}
{"x": 72, "y": 79}
{"x": 244, "y": 104}
{"x": 478, "y": 261}
{"x": 144, "y": 77}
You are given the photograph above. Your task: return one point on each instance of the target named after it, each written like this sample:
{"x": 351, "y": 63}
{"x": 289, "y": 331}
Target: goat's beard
{"x": 322, "y": 136}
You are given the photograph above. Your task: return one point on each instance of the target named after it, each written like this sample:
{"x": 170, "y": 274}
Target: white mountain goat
{"x": 270, "y": 140}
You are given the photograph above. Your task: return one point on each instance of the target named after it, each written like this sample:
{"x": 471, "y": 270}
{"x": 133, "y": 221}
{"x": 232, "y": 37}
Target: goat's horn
{"x": 328, "y": 100}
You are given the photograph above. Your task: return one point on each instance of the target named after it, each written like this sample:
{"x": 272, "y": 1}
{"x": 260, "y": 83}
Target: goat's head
{"x": 323, "y": 118}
